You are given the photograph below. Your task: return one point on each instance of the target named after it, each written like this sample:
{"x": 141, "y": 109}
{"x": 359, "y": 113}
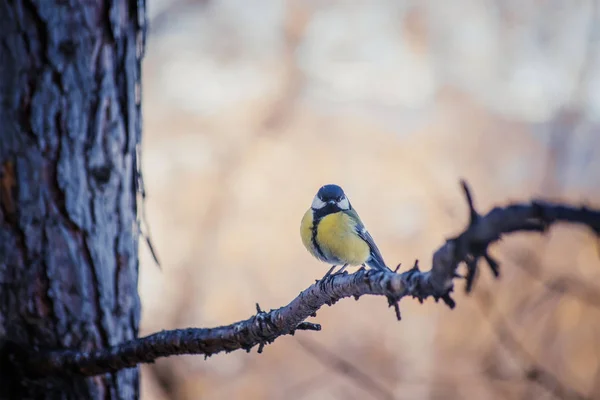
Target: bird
{"x": 332, "y": 231}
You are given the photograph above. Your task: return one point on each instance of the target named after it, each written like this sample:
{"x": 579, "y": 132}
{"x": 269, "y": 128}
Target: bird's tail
{"x": 376, "y": 262}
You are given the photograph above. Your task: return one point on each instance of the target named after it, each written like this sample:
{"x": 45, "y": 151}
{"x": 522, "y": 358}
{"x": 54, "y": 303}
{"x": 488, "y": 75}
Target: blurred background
{"x": 249, "y": 107}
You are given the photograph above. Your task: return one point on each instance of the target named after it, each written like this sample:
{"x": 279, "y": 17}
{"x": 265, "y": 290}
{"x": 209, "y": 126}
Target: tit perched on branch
{"x": 332, "y": 231}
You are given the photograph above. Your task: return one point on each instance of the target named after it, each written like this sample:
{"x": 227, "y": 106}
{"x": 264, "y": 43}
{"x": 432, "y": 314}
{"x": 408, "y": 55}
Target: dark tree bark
{"x": 69, "y": 129}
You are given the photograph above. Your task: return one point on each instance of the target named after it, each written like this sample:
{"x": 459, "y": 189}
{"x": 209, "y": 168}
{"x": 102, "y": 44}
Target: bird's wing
{"x": 376, "y": 260}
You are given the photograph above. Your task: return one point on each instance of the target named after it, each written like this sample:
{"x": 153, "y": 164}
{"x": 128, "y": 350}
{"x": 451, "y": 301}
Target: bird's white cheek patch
{"x": 344, "y": 204}
{"x": 317, "y": 203}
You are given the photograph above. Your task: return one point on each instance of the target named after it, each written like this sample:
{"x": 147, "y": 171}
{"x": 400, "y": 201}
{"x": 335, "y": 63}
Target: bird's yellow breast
{"x": 336, "y": 238}
{"x": 336, "y": 235}
{"x": 306, "y": 231}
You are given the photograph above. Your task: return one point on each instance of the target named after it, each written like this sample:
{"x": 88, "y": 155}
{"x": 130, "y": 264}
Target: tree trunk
{"x": 69, "y": 129}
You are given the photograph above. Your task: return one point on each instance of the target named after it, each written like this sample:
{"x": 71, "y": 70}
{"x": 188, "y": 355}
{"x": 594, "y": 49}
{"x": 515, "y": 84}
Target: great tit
{"x": 332, "y": 231}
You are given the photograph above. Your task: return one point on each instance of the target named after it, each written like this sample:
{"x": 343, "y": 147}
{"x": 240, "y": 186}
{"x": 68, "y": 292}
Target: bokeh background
{"x": 250, "y": 106}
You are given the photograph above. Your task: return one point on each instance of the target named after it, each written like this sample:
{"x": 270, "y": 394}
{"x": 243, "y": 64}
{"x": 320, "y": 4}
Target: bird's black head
{"x": 331, "y": 198}
{"x": 331, "y": 193}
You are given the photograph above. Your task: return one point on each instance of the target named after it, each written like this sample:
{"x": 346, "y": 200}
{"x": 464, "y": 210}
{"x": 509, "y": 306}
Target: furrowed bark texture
{"x": 69, "y": 129}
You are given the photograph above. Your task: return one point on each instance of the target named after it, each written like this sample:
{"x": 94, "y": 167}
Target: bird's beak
{"x": 331, "y": 202}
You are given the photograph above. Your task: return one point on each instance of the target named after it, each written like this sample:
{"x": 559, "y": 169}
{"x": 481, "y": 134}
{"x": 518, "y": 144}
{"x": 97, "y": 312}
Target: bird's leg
{"x": 341, "y": 269}
{"x": 329, "y": 272}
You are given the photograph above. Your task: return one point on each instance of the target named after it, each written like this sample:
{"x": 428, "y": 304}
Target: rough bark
{"x": 69, "y": 130}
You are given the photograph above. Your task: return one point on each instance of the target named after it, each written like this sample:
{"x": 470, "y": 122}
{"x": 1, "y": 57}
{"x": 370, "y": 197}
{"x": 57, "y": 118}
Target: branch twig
{"x": 264, "y": 327}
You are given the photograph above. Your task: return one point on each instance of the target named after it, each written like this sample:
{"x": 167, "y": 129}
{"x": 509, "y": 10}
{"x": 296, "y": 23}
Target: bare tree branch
{"x": 264, "y": 327}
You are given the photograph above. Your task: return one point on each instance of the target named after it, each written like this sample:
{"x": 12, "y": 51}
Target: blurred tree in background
{"x": 248, "y": 110}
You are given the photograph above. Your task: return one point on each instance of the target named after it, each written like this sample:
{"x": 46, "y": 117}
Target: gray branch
{"x": 264, "y": 327}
